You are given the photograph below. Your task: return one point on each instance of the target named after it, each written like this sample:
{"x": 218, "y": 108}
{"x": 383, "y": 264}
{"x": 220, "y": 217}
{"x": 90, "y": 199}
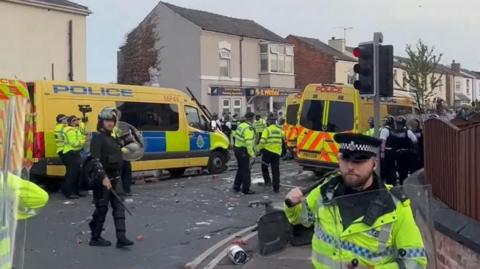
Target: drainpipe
{"x": 241, "y": 63}
{"x": 70, "y": 51}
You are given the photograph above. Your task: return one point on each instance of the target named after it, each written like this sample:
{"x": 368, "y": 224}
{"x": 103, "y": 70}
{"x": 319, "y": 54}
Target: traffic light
{"x": 386, "y": 70}
{"x": 364, "y": 68}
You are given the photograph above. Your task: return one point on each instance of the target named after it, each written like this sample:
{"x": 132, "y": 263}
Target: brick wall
{"x": 311, "y": 66}
{"x": 451, "y": 254}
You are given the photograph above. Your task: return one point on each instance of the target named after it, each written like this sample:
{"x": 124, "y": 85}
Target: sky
{"x": 452, "y": 27}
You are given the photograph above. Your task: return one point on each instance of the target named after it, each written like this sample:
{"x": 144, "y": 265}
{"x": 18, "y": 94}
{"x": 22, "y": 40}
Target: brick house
{"x": 317, "y": 62}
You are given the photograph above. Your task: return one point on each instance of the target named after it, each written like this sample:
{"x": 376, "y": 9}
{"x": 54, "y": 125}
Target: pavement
{"x": 174, "y": 221}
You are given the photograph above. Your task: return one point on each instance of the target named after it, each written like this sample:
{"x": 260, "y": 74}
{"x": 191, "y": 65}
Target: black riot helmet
{"x": 401, "y": 122}
{"x": 389, "y": 121}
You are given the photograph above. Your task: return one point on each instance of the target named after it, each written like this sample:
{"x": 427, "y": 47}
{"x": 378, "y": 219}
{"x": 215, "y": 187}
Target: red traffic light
{"x": 357, "y": 52}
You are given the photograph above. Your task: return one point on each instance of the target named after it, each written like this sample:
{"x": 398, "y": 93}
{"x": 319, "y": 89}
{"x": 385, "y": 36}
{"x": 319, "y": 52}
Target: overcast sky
{"x": 453, "y": 27}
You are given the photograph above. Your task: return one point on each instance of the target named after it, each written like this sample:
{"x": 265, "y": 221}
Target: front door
{"x": 232, "y": 105}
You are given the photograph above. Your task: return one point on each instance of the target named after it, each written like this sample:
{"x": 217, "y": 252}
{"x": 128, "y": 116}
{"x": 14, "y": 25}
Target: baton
{"x": 309, "y": 188}
{"x": 121, "y": 202}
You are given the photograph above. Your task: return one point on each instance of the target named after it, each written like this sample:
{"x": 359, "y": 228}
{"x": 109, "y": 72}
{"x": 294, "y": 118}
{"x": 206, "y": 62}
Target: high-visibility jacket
{"x": 30, "y": 198}
{"x": 259, "y": 125}
{"x": 59, "y": 137}
{"x": 244, "y": 138}
{"x": 83, "y": 128}
{"x": 74, "y": 139}
{"x": 377, "y": 245}
{"x": 272, "y": 139}
{"x": 370, "y": 132}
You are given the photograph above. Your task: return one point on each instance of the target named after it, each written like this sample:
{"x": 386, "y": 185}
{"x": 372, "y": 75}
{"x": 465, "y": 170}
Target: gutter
{"x": 40, "y": 4}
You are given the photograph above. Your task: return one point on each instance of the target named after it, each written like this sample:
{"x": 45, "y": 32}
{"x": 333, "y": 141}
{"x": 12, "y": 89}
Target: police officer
{"x": 360, "y": 218}
{"x": 371, "y": 127}
{"x": 271, "y": 147}
{"x": 107, "y": 157}
{"x": 404, "y": 144}
{"x": 61, "y": 120}
{"x": 127, "y": 165}
{"x": 417, "y": 157}
{"x": 74, "y": 142}
{"x": 234, "y": 125}
{"x": 244, "y": 137}
{"x": 387, "y": 153}
{"x": 259, "y": 125}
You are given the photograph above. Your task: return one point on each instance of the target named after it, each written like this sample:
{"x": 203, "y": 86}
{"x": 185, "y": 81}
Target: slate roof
{"x": 227, "y": 25}
{"x": 319, "y": 45}
{"x": 64, "y": 3}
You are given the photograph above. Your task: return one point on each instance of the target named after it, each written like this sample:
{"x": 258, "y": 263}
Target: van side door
{"x": 198, "y": 135}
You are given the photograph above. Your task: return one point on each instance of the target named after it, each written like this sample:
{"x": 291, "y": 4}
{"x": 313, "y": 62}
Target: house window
{"x": 224, "y": 59}
{"x": 457, "y": 85}
{"x": 279, "y": 56}
{"x": 224, "y": 67}
{"x": 468, "y": 86}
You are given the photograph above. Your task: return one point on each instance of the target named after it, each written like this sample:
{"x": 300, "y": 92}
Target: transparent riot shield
{"x": 15, "y": 151}
{"x": 381, "y": 227}
{"x": 135, "y": 146}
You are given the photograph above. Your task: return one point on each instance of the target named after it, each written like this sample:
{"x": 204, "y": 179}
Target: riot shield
{"x": 135, "y": 147}
{"x": 16, "y": 143}
{"x": 380, "y": 227}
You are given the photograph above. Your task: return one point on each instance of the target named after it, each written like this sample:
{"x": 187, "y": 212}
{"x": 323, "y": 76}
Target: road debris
{"x": 140, "y": 237}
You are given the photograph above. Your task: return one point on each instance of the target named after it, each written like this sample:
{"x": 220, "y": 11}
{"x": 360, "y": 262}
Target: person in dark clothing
{"x": 106, "y": 153}
{"x": 404, "y": 144}
{"x": 387, "y": 155}
{"x": 127, "y": 165}
{"x": 417, "y": 157}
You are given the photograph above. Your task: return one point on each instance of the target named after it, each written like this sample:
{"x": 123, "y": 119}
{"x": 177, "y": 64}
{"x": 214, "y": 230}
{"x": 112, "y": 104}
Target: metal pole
{"x": 377, "y": 40}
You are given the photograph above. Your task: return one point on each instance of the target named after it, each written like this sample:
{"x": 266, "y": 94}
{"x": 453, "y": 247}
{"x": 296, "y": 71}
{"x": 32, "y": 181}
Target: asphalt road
{"x": 174, "y": 221}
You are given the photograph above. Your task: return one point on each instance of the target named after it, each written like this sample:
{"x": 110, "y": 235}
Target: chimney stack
{"x": 338, "y": 44}
{"x": 455, "y": 66}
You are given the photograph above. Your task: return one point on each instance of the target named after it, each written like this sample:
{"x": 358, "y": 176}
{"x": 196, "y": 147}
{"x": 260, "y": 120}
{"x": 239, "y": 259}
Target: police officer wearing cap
{"x": 387, "y": 152}
{"x": 404, "y": 143}
{"x": 107, "y": 160}
{"x": 61, "y": 120}
{"x": 375, "y": 222}
{"x": 74, "y": 142}
{"x": 271, "y": 147}
{"x": 244, "y": 137}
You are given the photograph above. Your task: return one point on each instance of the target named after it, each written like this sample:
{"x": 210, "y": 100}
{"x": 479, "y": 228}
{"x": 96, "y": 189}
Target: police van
{"x": 290, "y": 126}
{"x": 175, "y": 130}
{"x": 329, "y": 109}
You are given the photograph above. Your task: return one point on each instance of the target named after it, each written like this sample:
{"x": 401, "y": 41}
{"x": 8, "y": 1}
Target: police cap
{"x": 249, "y": 115}
{"x": 357, "y": 146}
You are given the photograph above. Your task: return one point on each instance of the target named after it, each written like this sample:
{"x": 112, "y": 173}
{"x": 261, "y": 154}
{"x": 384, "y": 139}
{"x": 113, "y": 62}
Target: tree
{"x": 422, "y": 74}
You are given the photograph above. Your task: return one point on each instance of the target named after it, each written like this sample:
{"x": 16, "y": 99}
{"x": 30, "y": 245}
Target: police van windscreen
{"x": 292, "y": 111}
{"x": 312, "y": 114}
{"x": 340, "y": 117}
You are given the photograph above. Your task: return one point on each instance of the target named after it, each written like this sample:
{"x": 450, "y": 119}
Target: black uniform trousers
{"x": 71, "y": 184}
{"x": 242, "y": 178}
{"x": 273, "y": 160}
{"x": 127, "y": 176}
{"x": 387, "y": 167}
{"x": 102, "y": 197}
{"x": 402, "y": 163}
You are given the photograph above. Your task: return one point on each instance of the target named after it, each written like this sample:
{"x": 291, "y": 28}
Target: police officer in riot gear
{"x": 404, "y": 144}
{"x": 107, "y": 161}
{"x": 387, "y": 154}
{"x": 417, "y": 157}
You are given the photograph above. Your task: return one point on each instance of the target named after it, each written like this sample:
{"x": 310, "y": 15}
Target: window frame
{"x": 200, "y": 115}
{"x": 140, "y": 116}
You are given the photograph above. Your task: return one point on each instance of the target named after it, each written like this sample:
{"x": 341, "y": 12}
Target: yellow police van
{"x": 176, "y": 132}
{"x": 290, "y": 126}
{"x": 329, "y": 109}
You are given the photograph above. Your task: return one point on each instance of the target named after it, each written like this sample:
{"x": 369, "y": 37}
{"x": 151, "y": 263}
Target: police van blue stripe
{"x": 154, "y": 141}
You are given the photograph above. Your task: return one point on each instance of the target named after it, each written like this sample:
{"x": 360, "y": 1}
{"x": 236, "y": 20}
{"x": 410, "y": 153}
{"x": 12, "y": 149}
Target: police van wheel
{"x": 177, "y": 172}
{"x": 217, "y": 162}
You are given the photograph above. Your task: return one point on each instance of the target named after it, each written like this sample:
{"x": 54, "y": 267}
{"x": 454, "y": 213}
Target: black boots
{"x": 123, "y": 241}
{"x": 99, "y": 242}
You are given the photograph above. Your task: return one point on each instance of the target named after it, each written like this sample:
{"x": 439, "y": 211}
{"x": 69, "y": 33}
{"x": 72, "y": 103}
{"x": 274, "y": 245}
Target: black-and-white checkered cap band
{"x": 352, "y": 146}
